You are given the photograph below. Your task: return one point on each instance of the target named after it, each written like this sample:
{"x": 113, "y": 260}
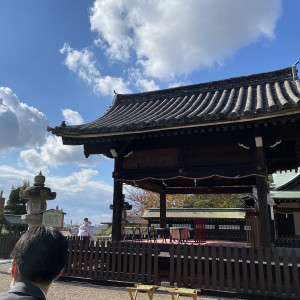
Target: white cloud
{"x": 169, "y": 38}
{"x": 112, "y": 21}
{"x": 53, "y": 153}
{"x": 83, "y": 64}
{"x": 80, "y": 62}
{"x": 105, "y": 85}
{"x": 78, "y": 182}
{"x": 80, "y": 194}
{"x": 20, "y": 125}
{"x": 10, "y": 176}
{"x": 72, "y": 117}
{"x": 141, "y": 82}
{"x": 178, "y": 83}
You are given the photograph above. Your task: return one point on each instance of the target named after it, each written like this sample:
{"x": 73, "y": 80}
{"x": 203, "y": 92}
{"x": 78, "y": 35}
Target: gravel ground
{"x": 82, "y": 291}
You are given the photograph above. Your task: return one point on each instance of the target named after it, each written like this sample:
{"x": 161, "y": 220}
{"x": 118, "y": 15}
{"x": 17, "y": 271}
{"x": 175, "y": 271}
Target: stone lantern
{"x": 36, "y": 204}
{"x": 125, "y": 206}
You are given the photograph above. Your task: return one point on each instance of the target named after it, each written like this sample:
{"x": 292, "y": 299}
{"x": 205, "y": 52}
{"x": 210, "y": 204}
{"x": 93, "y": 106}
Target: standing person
{"x": 86, "y": 230}
{"x": 38, "y": 258}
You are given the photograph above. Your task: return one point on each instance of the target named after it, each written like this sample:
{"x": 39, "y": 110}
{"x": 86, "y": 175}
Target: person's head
{"x": 86, "y": 221}
{"x": 40, "y": 255}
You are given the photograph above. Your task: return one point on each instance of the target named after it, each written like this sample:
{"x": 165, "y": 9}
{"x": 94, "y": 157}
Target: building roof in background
{"x": 191, "y": 213}
{"x": 285, "y": 195}
{"x": 135, "y": 219}
{"x": 281, "y": 180}
{"x": 240, "y": 99}
{"x": 12, "y": 219}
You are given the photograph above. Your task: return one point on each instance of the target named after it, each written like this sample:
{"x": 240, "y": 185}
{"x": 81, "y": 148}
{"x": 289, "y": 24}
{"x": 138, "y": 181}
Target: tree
{"x": 15, "y": 205}
{"x": 142, "y": 200}
{"x": 213, "y": 200}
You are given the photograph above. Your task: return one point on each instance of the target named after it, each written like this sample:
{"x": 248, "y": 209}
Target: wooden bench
{"x": 149, "y": 289}
{"x": 184, "y": 292}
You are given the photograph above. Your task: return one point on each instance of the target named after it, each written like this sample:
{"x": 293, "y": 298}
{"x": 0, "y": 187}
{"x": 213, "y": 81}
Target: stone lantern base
{"x": 33, "y": 220}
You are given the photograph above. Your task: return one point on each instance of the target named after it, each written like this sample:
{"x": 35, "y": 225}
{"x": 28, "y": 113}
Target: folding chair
{"x": 184, "y": 292}
{"x": 143, "y": 233}
{"x": 129, "y": 233}
{"x": 150, "y": 289}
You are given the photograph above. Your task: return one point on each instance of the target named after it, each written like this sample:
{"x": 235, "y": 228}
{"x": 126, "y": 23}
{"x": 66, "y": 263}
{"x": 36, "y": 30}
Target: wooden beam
{"x": 209, "y": 190}
{"x": 145, "y": 185}
{"x": 232, "y": 170}
{"x": 287, "y": 132}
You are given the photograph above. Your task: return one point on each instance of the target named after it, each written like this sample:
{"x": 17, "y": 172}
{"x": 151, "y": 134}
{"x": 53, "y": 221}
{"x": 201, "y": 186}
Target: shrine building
{"x": 222, "y": 136}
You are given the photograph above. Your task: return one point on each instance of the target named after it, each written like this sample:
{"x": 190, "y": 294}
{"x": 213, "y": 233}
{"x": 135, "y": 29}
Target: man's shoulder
{"x": 16, "y": 296}
{"x": 24, "y": 291}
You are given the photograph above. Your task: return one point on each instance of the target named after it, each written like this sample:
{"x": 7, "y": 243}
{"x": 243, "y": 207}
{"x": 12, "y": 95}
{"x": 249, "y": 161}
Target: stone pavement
{"x": 4, "y": 261}
{"x": 71, "y": 291}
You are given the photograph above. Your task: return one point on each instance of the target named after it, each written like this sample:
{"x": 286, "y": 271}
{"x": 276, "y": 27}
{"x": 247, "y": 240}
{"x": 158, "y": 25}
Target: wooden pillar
{"x": 162, "y": 209}
{"x": 264, "y": 216}
{"x": 262, "y": 193}
{"x": 117, "y": 203}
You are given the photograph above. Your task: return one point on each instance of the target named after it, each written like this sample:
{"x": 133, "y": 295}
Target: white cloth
{"x": 87, "y": 230}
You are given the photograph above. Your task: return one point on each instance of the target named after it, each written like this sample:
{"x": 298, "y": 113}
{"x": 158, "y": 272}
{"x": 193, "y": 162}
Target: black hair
{"x": 85, "y": 219}
{"x": 40, "y": 254}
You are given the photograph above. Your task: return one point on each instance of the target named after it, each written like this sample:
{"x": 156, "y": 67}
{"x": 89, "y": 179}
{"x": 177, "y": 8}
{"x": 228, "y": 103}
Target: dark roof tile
{"x": 224, "y": 100}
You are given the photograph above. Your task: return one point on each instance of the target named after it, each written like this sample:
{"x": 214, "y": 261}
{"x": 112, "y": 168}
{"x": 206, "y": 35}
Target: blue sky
{"x": 61, "y": 60}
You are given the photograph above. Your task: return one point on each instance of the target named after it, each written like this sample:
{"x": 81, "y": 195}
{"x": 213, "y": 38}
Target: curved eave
{"x": 265, "y": 117}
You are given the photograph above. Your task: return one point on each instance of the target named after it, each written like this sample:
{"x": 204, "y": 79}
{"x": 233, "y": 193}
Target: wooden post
{"x": 117, "y": 203}
{"x": 265, "y": 222}
{"x": 162, "y": 217}
{"x": 262, "y": 193}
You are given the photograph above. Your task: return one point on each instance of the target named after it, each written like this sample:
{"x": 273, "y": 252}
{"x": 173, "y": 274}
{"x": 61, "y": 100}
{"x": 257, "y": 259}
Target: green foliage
{"x": 222, "y": 201}
{"x": 142, "y": 200}
{"x": 201, "y": 203}
{"x": 15, "y": 205}
{"x": 4, "y": 230}
{"x": 213, "y": 201}
{"x": 104, "y": 233}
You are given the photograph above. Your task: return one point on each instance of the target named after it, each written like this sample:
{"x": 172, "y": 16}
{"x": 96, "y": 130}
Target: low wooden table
{"x": 150, "y": 289}
{"x": 184, "y": 292}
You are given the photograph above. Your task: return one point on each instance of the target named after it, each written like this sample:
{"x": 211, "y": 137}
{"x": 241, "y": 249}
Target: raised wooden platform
{"x": 164, "y": 245}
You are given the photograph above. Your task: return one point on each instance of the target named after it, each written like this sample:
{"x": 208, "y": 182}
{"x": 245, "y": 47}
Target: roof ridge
{"x": 245, "y": 80}
{"x": 244, "y": 99}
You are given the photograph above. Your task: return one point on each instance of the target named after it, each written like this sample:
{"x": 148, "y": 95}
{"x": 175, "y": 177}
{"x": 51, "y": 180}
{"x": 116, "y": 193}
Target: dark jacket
{"x": 23, "y": 290}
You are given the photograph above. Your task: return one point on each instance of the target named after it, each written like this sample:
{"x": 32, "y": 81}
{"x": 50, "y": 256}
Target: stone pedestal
{"x": 33, "y": 220}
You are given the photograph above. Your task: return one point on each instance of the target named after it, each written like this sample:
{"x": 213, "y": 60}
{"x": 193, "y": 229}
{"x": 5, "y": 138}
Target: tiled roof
{"x": 13, "y": 219}
{"x": 242, "y": 98}
{"x": 284, "y": 178}
{"x": 285, "y": 195}
{"x": 135, "y": 219}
